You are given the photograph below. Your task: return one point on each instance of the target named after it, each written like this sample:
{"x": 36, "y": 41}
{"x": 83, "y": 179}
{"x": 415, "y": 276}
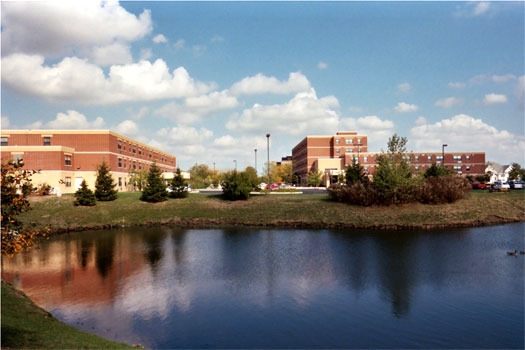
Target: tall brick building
{"x": 332, "y": 154}
{"x": 66, "y": 157}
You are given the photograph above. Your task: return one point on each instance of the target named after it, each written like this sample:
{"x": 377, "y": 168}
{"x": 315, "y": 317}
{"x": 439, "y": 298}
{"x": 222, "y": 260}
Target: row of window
{"x": 5, "y": 141}
{"x": 348, "y": 141}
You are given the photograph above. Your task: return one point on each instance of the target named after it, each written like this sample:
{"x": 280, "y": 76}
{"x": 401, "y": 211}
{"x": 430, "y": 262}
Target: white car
{"x": 500, "y": 186}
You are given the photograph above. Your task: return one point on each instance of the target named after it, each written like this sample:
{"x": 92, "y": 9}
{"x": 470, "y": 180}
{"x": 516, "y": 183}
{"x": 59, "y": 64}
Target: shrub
{"x": 443, "y": 189}
{"x": 84, "y": 196}
{"x": 357, "y": 193}
{"x": 236, "y": 185}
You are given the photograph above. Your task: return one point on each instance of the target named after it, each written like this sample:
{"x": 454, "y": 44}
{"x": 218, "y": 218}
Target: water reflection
{"x": 246, "y": 288}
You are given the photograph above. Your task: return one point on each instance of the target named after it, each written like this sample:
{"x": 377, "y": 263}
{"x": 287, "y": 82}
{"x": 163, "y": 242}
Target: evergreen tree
{"x": 84, "y": 196}
{"x": 105, "y": 185}
{"x": 436, "y": 170}
{"x": 178, "y": 186}
{"x": 236, "y": 186}
{"x": 355, "y": 173}
{"x": 155, "y": 189}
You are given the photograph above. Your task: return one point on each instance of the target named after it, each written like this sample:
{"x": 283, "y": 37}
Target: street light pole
{"x": 268, "y": 154}
{"x": 443, "y": 154}
{"x": 235, "y": 161}
{"x": 255, "y": 150}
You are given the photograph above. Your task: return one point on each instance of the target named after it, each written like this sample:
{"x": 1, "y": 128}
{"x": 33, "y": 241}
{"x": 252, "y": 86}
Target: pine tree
{"x": 178, "y": 186}
{"x": 84, "y": 196}
{"x": 155, "y": 189}
{"x": 105, "y": 185}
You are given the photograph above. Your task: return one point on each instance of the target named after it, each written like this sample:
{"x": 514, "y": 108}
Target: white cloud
{"x": 404, "y": 87}
{"x": 179, "y": 44}
{"x": 374, "y": 127}
{"x": 5, "y": 122}
{"x": 261, "y": 84}
{"x": 217, "y": 39}
{"x": 73, "y": 80}
{"x": 403, "y": 107}
{"x": 480, "y": 8}
{"x": 194, "y": 108}
{"x": 503, "y": 78}
{"x": 127, "y": 127}
{"x": 71, "y": 120}
{"x": 55, "y": 28}
{"x": 457, "y": 85}
{"x": 159, "y": 39}
{"x": 491, "y": 99}
{"x": 116, "y": 53}
{"x": 304, "y": 114}
{"x": 465, "y": 133}
{"x": 449, "y": 102}
{"x": 322, "y": 65}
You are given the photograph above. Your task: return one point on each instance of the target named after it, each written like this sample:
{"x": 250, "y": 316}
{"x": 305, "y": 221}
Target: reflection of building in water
{"x": 86, "y": 271}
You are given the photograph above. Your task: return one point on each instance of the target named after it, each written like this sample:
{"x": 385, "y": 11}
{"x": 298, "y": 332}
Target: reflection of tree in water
{"x": 104, "y": 256}
{"x": 396, "y": 270}
{"x": 85, "y": 248}
{"x": 153, "y": 240}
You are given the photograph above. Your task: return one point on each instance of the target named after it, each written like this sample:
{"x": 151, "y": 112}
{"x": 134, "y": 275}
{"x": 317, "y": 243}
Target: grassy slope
{"x": 26, "y": 326}
{"x": 480, "y": 208}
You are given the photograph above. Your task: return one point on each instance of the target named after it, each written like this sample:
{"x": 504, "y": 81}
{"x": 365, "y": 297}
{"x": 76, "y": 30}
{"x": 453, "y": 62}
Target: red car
{"x": 479, "y": 185}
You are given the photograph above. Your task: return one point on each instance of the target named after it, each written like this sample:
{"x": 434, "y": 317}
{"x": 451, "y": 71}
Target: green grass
{"x": 26, "y": 326}
{"x": 204, "y": 210}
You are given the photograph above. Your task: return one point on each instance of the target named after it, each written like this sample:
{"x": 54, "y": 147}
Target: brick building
{"x": 332, "y": 154}
{"x": 66, "y": 157}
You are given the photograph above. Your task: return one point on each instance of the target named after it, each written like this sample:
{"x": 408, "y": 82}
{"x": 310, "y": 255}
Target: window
{"x": 68, "y": 160}
{"x": 457, "y": 168}
{"x": 119, "y": 144}
{"x": 134, "y": 165}
{"x": 5, "y": 141}
{"x": 337, "y": 141}
{"x": 348, "y": 141}
{"x": 120, "y": 182}
{"x": 140, "y": 151}
{"x": 439, "y": 157}
{"x": 416, "y": 168}
{"x": 467, "y": 158}
{"x": 365, "y": 159}
{"x": 337, "y": 150}
{"x": 416, "y": 158}
{"x": 467, "y": 168}
{"x": 348, "y": 150}
{"x": 120, "y": 162}
{"x": 68, "y": 182}
{"x": 47, "y": 141}
{"x": 134, "y": 149}
{"x": 429, "y": 158}
{"x": 17, "y": 157}
{"x": 457, "y": 158}
{"x": 359, "y": 141}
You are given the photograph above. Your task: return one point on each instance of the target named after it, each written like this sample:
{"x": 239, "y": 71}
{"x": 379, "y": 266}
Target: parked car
{"x": 517, "y": 185}
{"x": 479, "y": 185}
{"x": 500, "y": 186}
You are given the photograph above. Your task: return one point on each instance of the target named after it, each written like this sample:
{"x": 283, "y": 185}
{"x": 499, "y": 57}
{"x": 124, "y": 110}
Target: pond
{"x": 275, "y": 288}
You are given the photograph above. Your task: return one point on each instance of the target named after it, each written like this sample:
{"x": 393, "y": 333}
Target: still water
{"x": 260, "y": 288}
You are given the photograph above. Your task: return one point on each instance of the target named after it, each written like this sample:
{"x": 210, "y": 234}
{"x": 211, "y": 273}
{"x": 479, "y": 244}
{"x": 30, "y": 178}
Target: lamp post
{"x": 268, "y": 154}
{"x": 255, "y": 150}
{"x": 213, "y": 168}
{"x": 443, "y": 154}
{"x": 235, "y": 161}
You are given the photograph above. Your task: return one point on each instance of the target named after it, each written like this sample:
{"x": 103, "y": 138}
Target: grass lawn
{"x": 205, "y": 210}
{"x": 26, "y": 326}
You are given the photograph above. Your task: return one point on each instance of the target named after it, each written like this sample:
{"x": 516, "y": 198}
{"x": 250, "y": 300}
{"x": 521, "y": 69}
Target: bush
{"x": 236, "y": 185}
{"x": 84, "y": 196}
{"x": 443, "y": 189}
{"x": 357, "y": 193}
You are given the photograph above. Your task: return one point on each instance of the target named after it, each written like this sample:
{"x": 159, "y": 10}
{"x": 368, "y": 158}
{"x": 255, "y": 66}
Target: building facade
{"x": 66, "y": 157}
{"x": 330, "y": 155}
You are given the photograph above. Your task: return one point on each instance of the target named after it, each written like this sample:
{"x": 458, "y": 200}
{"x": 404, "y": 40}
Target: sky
{"x": 206, "y": 81}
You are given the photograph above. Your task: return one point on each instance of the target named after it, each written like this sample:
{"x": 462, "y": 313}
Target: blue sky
{"x": 206, "y": 81}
